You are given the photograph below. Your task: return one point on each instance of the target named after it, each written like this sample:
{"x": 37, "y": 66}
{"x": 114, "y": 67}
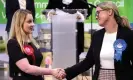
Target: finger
{"x": 61, "y": 74}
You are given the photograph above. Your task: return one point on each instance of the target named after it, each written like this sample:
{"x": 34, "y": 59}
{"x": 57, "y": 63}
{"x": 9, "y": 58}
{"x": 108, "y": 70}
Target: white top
{"x": 22, "y": 4}
{"x": 67, "y": 2}
{"x": 107, "y": 51}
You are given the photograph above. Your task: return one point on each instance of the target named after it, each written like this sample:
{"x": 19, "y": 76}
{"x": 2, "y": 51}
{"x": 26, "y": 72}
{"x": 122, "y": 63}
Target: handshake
{"x": 59, "y": 73}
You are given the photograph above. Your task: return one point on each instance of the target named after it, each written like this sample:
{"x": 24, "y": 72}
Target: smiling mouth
{"x": 31, "y": 28}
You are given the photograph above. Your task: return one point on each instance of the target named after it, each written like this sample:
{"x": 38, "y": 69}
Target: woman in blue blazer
{"x": 111, "y": 49}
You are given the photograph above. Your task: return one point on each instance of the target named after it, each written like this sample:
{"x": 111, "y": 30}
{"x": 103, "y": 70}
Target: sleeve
{"x": 52, "y": 4}
{"x": 84, "y": 5}
{"x": 30, "y": 5}
{"x": 33, "y": 8}
{"x": 82, "y": 66}
{"x": 14, "y": 50}
{"x": 131, "y": 49}
{"x": 8, "y": 9}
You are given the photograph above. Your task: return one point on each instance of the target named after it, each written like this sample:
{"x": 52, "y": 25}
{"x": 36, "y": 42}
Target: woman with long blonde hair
{"x": 24, "y": 54}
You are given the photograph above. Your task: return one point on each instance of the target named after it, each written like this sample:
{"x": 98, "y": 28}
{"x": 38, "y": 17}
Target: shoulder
{"x": 12, "y": 42}
{"x": 99, "y": 32}
{"x": 127, "y": 31}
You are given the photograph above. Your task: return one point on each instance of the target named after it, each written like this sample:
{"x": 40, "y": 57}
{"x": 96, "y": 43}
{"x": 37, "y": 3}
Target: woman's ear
{"x": 110, "y": 12}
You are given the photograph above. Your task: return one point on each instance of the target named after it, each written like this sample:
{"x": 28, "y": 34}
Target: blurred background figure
{"x": 66, "y": 6}
{"x": 14, "y": 5}
{"x": 48, "y": 60}
{"x": 69, "y": 4}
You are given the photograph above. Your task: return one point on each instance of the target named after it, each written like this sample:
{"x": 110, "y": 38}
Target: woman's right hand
{"x": 59, "y": 73}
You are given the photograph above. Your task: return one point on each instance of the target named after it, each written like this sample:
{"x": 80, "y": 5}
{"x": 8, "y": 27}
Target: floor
{"x": 4, "y": 76}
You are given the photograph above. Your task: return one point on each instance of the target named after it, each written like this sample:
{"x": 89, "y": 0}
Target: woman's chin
{"x": 100, "y": 24}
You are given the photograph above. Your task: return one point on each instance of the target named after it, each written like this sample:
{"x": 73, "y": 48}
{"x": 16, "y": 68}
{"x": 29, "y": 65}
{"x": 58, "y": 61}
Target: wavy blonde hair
{"x": 107, "y": 5}
{"x": 17, "y": 32}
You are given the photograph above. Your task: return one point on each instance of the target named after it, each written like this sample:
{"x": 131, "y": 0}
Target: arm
{"x": 24, "y": 65}
{"x": 130, "y": 53}
{"x": 84, "y": 65}
{"x": 22, "y": 62}
{"x": 131, "y": 50}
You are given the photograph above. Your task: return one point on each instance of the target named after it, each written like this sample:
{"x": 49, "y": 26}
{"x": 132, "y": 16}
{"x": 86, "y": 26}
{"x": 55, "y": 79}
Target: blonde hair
{"x": 17, "y": 28}
{"x": 125, "y": 22}
{"x": 107, "y": 5}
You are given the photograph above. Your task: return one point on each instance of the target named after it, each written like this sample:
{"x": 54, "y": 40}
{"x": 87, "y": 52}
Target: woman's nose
{"x": 33, "y": 23}
{"x": 96, "y": 17}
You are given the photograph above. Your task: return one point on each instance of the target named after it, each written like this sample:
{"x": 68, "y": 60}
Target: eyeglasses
{"x": 98, "y": 12}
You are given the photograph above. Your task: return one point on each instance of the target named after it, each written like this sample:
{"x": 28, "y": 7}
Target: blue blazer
{"x": 12, "y": 6}
{"x": 123, "y": 68}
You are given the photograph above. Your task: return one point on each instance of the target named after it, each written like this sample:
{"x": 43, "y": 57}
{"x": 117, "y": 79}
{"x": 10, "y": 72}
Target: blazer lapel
{"x": 120, "y": 33}
{"x": 99, "y": 40}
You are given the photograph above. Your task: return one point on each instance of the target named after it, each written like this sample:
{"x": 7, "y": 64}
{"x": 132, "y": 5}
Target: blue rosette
{"x": 119, "y": 46}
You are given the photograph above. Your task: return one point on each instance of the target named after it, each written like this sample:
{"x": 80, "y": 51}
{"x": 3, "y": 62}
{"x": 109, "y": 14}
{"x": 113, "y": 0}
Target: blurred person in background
{"x": 65, "y": 6}
{"x": 14, "y": 5}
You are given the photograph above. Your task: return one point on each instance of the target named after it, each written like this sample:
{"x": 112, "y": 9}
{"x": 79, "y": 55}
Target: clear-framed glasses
{"x": 98, "y": 12}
